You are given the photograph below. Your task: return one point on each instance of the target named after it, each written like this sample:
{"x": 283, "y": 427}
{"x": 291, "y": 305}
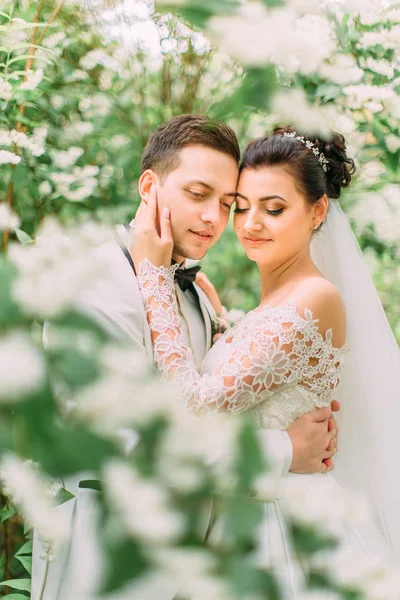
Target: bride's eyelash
{"x": 270, "y": 212}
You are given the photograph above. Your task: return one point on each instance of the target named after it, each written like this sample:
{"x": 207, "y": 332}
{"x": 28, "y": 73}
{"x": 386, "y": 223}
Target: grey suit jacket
{"x": 116, "y": 303}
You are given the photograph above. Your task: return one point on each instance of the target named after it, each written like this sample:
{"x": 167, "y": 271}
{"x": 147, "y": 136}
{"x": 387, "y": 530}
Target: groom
{"x": 194, "y": 164}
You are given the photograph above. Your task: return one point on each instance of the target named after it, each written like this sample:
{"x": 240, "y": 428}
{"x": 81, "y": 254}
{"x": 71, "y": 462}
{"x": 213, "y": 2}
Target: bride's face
{"x": 273, "y": 220}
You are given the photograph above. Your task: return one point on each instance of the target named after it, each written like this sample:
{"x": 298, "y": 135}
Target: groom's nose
{"x": 211, "y": 212}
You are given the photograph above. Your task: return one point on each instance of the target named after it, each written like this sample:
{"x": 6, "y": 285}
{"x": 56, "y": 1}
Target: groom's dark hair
{"x": 161, "y": 153}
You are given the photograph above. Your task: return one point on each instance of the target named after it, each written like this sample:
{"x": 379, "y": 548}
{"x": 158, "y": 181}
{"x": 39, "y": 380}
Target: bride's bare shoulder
{"x": 323, "y": 299}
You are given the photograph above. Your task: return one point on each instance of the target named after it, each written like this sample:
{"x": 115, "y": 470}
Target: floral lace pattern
{"x": 270, "y": 350}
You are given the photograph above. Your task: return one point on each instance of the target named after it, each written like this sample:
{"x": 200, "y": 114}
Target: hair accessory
{"x": 308, "y": 143}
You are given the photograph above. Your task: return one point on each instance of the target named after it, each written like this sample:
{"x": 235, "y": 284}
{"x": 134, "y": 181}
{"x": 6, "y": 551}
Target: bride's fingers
{"x": 151, "y": 209}
{"x": 166, "y": 232}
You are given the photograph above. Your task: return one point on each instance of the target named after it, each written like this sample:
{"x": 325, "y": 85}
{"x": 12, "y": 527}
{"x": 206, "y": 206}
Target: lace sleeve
{"x": 277, "y": 349}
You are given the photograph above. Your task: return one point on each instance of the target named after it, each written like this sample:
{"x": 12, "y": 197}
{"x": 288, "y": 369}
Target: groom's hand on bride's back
{"x": 314, "y": 440}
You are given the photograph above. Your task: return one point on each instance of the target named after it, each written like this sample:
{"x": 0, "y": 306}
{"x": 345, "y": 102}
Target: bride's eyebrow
{"x": 265, "y": 198}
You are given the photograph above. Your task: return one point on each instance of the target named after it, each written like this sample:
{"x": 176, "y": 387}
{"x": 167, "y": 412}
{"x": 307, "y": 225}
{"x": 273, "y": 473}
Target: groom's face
{"x": 199, "y": 192}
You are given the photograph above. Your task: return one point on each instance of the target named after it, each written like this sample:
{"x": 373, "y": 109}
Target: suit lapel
{"x": 207, "y": 312}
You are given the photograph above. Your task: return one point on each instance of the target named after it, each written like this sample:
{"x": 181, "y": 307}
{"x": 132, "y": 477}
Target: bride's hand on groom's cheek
{"x": 152, "y": 240}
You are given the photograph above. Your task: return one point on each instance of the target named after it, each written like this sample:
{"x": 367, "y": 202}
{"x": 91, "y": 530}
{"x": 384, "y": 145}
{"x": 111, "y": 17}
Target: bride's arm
{"x": 269, "y": 357}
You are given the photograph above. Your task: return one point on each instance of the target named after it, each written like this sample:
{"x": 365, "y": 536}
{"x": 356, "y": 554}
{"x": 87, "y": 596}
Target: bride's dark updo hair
{"x": 300, "y": 162}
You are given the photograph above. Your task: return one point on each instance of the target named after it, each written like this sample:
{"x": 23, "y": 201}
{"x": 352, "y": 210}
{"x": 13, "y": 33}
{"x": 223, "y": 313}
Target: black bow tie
{"x": 185, "y": 277}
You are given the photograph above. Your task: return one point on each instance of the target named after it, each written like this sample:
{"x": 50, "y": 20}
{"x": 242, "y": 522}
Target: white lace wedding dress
{"x": 276, "y": 364}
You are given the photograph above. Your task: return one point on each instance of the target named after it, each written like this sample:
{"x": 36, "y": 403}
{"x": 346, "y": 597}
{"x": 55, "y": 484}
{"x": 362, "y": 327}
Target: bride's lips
{"x": 203, "y": 236}
{"x": 256, "y": 241}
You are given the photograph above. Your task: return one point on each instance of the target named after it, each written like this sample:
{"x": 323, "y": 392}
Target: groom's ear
{"x": 147, "y": 179}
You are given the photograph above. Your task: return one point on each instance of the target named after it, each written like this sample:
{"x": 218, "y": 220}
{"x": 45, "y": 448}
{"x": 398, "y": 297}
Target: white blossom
{"x": 392, "y": 142}
{"x": 5, "y": 90}
{"x": 66, "y": 158}
{"x": 193, "y": 571}
{"x": 55, "y": 39}
{"x": 293, "y": 107}
{"x": 54, "y": 270}
{"x": 34, "y": 143}
{"x": 9, "y": 158}
{"x": 342, "y": 69}
{"x": 380, "y": 66}
{"x": 8, "y": 220}
{"x": 295, "y": 43}
{"x": 22, "y": 367}
{"x": 57, "y": 101}
{"x": 143, "y": 505}
{"x": 382, "y": 209}
{"x": 389, "y": 39}
{"x": 45, "y": 188}
{"x": 33, "y": 78}
{"x": 30, "y": 493}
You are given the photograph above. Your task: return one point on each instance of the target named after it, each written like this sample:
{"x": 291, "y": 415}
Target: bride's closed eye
{"x": 270, "y": 212}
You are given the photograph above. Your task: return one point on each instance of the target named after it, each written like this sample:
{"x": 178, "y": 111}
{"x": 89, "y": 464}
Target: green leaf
{"x": 250, "y": 461}
{"x": 23, "y": 237}
{"x": 6, "y": 513}
{"x": 63, "y": 496}
{"x": 198, "y": 12}
{"x": 9, "y": 312}
{"x": 18, "y": 584}
{"x": 16, "y": 597}
{"x": 26, "y": 562}
{"x": 26, "y": 56}
{"x": 76, "y": 368}
{"x": 125, "y": 562}
{"x": 243, "y": 516}
{"x": 25, "y": 549}
{"x": 20, "y": 26}
{"x": 91, "y": 484}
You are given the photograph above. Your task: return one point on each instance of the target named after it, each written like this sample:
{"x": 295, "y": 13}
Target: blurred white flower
{"x": 293, "y": 107}
{"x": 33, "y": 78}
{"x": 77, "y": 185}
{"x": 9, "y": 158}
{"x": 372, "y": 171}
{"x": 143, "y": 505}
{"x": 326, "y": 509}
{"x": 380, "y": 66}
{"x": 389, "y": 39}
{"x": 5, "y": 90}
{"x": 45, "y": 188}
{"x": 193, "y": 571}
{"x": 77, "y": 129}
{"x": 393, "y": 15}
{"x": 22, "y": 367}
{"x": 57, "y": 102}
{"x": 54, "y": 270}
{"x": 382, "y": 209}
{"x": 319, "y": 595}
{"x": 66, "y": 158}
{"x": 342, "y": 69}
{"x": 8, "y": 219}
{"x": 30, "y": 492}
{"x": 78, "y": 75}
{"x": 392, "y": 142}
{"x": 294, "y": 42}
{"x": 55, "y": 39}
{"x": 34, "y": 143}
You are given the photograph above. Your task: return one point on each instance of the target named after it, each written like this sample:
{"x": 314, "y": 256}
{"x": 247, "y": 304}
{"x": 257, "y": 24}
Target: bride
{"x": 287, "y": 356}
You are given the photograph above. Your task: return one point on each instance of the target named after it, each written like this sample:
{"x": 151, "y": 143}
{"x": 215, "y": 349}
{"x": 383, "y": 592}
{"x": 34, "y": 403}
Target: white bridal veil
{"x": 369, "y": 419}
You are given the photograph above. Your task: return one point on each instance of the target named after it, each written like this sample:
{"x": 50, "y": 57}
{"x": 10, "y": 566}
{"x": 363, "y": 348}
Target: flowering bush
{"x": 76, "y": 111}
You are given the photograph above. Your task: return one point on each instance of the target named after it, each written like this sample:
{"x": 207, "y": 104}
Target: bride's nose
{"x": 252, "y": 223}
